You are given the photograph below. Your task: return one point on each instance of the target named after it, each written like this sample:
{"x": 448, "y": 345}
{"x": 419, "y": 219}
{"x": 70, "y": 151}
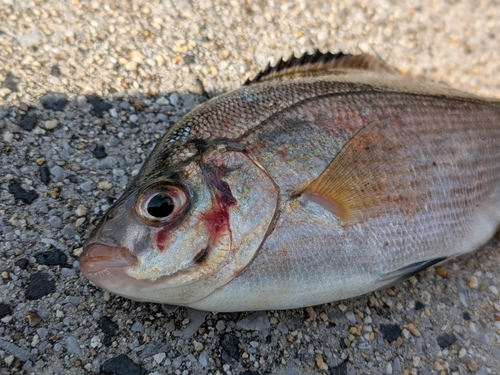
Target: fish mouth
{"x": 106, "y": 266}
{"x": 97, "y": 258}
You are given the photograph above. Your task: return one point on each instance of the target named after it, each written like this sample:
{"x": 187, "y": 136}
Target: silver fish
{"x": 324, "y": 178}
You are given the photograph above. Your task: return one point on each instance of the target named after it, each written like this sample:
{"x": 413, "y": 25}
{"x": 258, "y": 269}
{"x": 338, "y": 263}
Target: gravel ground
{"x": 86, "y": 89}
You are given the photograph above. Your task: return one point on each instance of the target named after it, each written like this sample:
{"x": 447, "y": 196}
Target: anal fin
{"x": 395, "y": 277}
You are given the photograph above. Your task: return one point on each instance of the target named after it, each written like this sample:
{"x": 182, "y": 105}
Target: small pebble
{"x": 462, "y": 352}
{"x": 8, "y": 360}
{"x": 158, "y": 358}
{"x": 34, "y": 319}
{"x": 230, "y": 343}
{"x": 28, "y": 122}
{"x": 441, "y": 271}
{"x": 312, "y": 313}
{"x": 321, "y": 364}
{"x": 86, "y": 186}
{"x": 52, "y": 258}
{"x": 98, "y": 105}
{"x": 40, "y": 284}
{"x": 104, "y": 185}
{"x": 472, "y": 282}
{"x": 95, "y": 342}
{"x": 81, "y": 210}
{"x": 472, "y": 365}
{"x": 174, "y": 99}
{"x": 55, "y": 221}
{"x": 131, "y": 65}
{"x": 388, "y": 368}
{"x": 108, "y": 326}
{"x": 137, "y": 327}
{"x": 73, "y": 346}
{"x": 54, "y": 101}
{"x": 390, "y": 332}
{"x": 8, "y": 137}
{"x": 162, "y": 101}
{"x": 100, "y": 152}
{"x": 67, "y": 272}
{"x": 81, "y": 100}
{"x": 5, "y": 310}
{"x": 414, "y": 331}
{"x": 445, "y": 340}
{"x": 136, "y": 56}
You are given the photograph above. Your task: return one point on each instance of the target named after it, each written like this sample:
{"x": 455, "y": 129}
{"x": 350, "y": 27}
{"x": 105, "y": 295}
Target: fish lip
{"x": 98, "y": 257}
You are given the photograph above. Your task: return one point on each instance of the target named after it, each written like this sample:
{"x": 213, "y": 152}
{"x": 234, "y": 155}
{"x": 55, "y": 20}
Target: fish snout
{"x": 98, "y": 258}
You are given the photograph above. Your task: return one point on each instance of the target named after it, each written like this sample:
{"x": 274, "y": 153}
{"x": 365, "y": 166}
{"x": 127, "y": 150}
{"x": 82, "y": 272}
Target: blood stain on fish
{"x": 161, "y": 238}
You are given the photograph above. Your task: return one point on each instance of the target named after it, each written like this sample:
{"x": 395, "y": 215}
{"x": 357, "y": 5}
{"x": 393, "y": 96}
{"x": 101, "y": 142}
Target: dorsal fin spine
{"x": 319, "y": 61}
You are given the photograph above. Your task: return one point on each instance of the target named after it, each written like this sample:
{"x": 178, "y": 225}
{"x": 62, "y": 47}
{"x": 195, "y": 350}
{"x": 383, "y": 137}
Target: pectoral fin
{"x": 369, "y": 177}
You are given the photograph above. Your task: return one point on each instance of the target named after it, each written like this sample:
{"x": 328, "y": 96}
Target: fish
{"x": 325, "y": 177}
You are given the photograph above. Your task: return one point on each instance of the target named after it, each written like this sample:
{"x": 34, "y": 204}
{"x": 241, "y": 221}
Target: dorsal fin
{"x": 318, "y": 62}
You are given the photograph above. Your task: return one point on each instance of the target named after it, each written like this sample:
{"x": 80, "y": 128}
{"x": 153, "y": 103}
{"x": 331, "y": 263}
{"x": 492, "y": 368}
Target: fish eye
{"x": 160, "y": 206}
{"x": 161, "y": 203}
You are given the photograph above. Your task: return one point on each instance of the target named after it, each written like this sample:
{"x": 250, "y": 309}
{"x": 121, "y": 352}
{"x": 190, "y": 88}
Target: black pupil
{"x": 160, "y": 205}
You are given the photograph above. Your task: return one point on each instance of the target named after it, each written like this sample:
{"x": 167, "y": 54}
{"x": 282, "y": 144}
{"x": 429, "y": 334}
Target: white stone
{"x": 95, "y": 342}
{"x": 8, "y": 137}
{"x": 162, "y": 101}
{"x": 81, "y": 210}
{"x": 51, "y": 124}
{"x": 159, "y": 357}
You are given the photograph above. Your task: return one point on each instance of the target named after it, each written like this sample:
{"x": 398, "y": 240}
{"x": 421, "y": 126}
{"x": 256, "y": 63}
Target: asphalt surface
{"x": 86, "y": 89}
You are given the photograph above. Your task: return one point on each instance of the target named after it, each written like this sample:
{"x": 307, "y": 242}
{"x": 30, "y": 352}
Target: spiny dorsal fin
{"x": 369, "y": 177}
{"x": 310, "y": 64}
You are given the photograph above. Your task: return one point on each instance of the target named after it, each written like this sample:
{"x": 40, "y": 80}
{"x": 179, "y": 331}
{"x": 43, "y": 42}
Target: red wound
{"x": 161, "y": 239}
{"x": 217, "y": 219}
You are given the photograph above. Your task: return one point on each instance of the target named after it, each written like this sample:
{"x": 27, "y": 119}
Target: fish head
{"x": 180, "y": 236}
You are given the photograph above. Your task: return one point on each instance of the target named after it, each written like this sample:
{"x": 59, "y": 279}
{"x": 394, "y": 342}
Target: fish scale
{"x": 325, "y": 177}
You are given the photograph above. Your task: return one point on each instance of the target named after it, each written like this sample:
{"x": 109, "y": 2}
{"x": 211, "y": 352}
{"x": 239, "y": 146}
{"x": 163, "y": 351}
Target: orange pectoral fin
{"x": 369, "y": 177}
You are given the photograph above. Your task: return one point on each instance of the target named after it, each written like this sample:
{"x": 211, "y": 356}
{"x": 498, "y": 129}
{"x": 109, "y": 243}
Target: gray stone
{"x": 16, "y": 351}
{"x": 69, "y": 231}
{"x": 73, "y": 346}
{"x": 290, "y": 368}
{"x": 350, "y": 317}
{"x": 30, "y": 39}
{"x": 220, "y": 326}
{"x": 74, "y": 300}
{"x": 177, "y": 362}
{"x": 86, "y": 186}
{"x": 55, "y": 221}
{"x": 67, "y": 272}
{"x": 203, "y": 358}
{"x": 174, "y": 99}
{"x": 137, "y": 327}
